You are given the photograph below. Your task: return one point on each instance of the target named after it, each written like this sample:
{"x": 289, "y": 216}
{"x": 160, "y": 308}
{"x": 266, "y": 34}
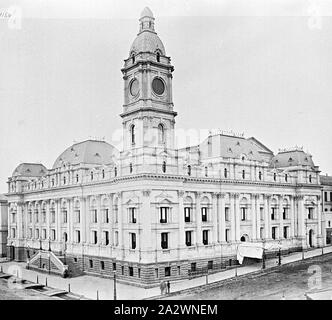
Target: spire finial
{"x": 146, "y": 21}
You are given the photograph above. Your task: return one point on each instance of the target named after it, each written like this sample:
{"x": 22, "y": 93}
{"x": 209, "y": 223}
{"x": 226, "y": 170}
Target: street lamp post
{"x": 40, "y": 253}
{"x": 279, "y": 254}
{"x": 49, "y": 255}
{"x": 114, "y": 285}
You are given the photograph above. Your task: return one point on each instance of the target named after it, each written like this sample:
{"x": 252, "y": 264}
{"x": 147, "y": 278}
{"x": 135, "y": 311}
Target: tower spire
{"x": 146, "y": 20}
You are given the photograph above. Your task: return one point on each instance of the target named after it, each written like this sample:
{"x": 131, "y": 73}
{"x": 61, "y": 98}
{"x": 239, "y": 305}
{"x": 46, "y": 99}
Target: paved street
{"x": 88, "y": 285}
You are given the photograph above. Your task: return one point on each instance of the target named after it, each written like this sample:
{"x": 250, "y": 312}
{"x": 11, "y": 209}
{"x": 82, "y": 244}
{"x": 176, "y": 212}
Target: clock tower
{"x": 148, "y": 118}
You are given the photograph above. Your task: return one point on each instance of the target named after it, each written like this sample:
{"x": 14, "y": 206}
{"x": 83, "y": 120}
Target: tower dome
{"x": 147, "y": 39}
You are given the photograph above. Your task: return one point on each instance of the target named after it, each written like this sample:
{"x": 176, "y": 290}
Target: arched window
{"x": 161, "y": 133}
{"x": 64, "y": 180}
{"x": 164, "y": 166}
{"x": 243, "y": 174}
{"x": 286, "y": 177}
{"x": 132, "y": 134}
{"x": 115, "y": 171}
{"x": 206, "y": 171}
{"x": 130, "y": 167}
{"x": 77, "y": 178}
{"x": 91, "y": 174}
{"x": 260, "y": 175}
{"x": 158, "y": 57}
{"x": 189, "y": 170}
{"x": 225, "y": 173}
{"x": 274, "y": 176}
{"x": 310, "y": 179}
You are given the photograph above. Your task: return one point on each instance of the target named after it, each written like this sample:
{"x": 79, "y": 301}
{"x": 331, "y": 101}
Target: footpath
{"x": 92, "y": 287}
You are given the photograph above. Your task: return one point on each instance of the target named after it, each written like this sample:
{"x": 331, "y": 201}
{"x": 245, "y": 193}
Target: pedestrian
{"x": 168, "y": 287}
{"x": 162, "y": 287}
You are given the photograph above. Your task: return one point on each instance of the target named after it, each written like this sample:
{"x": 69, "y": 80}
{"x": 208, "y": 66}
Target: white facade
{"x": 150, "y": 210}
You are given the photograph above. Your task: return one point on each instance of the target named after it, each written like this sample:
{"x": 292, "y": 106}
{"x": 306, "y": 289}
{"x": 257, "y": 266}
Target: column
{"x": 301, "y": 218}
{"x": 253, "y": 216}
{"x": 281, "y": 220}
{"x": 111, "y": 219}
{"x": 48, "y": 224}
{"x": 58, "y": 219}
{"x": 70, "y": 210}
{"x": 181, "y": 220}
{"x": 258, "y": 217}
{"x": 319, "y": 216}
{"x": 83, "y": 213}
{"x": 267, "y": 216}
{"x": 199, "y": 219}
{"x": 146, "y": 222}
{"x": 221, "y": 214}
{"x": 214, "y": 218}
{"x": 292, "y": 216}
{"x": 120, "y": 223}
{"x": 232, "y": 213}
{"x": 237, "y": 216}
{"x": 100, "y": 240}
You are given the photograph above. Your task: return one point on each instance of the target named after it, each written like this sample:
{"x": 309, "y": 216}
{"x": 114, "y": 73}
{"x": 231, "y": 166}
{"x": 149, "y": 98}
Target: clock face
{"x": 158, "y": 86}
{"x": 134, "y": 88}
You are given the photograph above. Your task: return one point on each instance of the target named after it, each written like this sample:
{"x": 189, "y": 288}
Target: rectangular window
{"x": 30, "y": 217}
{"x": 284, "y": 213}
{"x": 210, "y": 265}
{"x": 156, "y": 272}
{"x": 226, "y": 214}
{"x": 116, "y": 238}
{"x": 330, "y": 196}
{"x": 90, "y": 263}
{"x": 274, "y": 232}
{"x": 132, "y": 215}
{"x": 94, "y": 216}
{"x": 261, "y": 211}
{"x": 261, "y": 233}
{"x": 133, "y": 240}
{"x": 227, "y": 234}
{"x": 36, "y": 216}
{"x": 205, "y": 237}
{"x": 325, "y": 196}
{"x": 163, "y": 214}
{"x": 37, "y": 233}
{"x": 114, "y": 266}
{"x": 122, "y": 270}
{"x": 106, "y": 238}
{"x": 30, "y": 233}
{"x": 167, "y": 271}
{"x": 131, "y": 271}
{"x": 187, "y": 214}
{"x": 243, "y": 214}
{"x": 78, "y": 216}
{"x": 44, "y": 216}
{"x": 65, "y": 216}
{"x": 273, "y": 213}
{"x": 310, "y": 213}
{"x": 285, "y": 232}
{"x": 13, "y": 232}
{"x": 193, "y": 266}
{"x": 139, "y": 272}
{"x": 94, "y": 237}
{"x": 188, "y": 238}
{"x": 204, "y": 213}
{"x": 52, "y": 216}
{"x": 164, "y": 240}
{"x": 106, "y": 216}
{"x": 44, "y": 234}
{"x": 78, "y": 236}
{"x": 102, "y": 265}
{"x": 52, "y": 234}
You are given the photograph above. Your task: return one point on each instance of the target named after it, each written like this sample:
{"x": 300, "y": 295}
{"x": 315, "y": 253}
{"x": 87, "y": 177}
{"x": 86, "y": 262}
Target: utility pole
{"x": 114, "y": 285}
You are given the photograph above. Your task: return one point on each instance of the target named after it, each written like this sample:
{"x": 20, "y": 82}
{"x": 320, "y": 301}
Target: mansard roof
{"x": 292, "y": 158}
{"x": 87, "y": 152}
{"x": 30, "y": 170}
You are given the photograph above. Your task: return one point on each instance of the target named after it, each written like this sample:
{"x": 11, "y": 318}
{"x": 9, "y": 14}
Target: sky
{"x": 262, "y": 68}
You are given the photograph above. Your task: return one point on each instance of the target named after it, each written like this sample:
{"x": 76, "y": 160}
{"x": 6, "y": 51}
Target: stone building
{"x": 326, "y": 182}
{"x": 152, "y": 211}
{"x": 3, "y": 225}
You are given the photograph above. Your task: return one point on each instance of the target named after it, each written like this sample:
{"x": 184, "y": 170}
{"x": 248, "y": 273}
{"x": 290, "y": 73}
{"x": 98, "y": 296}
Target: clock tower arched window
{"x": 132, "y": 134}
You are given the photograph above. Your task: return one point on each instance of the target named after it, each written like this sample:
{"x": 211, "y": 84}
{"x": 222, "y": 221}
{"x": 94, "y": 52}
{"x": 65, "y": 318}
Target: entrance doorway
{"x": 311, "y": 238}
{"x": 244, "y": 238}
